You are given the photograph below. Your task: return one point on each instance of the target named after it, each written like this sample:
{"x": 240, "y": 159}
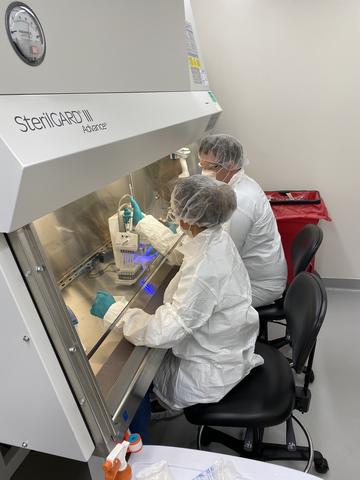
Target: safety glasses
{"x": 209, "y": 166}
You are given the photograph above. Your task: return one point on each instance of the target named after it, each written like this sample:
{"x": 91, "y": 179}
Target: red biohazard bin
{"x": 293, "y": 210}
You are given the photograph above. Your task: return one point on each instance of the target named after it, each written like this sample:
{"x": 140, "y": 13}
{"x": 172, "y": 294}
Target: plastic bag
{"x": 158, "y": 471}
{"x": 285, "y": 197}
{"x": 221, "y": 471}
{"x": 298, "y": 205}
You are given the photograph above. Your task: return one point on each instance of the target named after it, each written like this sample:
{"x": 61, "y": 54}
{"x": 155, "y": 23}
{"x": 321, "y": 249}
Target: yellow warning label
{"x": 194, "y": 62}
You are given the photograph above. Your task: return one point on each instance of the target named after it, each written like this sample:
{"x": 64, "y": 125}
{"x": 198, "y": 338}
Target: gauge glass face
{"x": 25, "y": 33}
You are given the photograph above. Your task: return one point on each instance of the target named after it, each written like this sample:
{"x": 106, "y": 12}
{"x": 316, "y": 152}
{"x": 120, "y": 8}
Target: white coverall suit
{"x": 254, "y": 231}
{"x": 207, "y": 319}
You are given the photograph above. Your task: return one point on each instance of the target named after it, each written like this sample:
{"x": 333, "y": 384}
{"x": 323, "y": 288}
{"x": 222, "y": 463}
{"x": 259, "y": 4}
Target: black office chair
{"x": 268, "y": 395}
{"x": 303, "y": 250}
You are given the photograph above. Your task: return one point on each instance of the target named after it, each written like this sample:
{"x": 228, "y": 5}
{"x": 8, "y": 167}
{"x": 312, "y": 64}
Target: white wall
{"x": 287, "y": 73}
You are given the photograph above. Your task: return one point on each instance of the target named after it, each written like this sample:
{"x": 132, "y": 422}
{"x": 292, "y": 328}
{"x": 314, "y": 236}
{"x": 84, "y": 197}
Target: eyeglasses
{"x": 209, "y": 166}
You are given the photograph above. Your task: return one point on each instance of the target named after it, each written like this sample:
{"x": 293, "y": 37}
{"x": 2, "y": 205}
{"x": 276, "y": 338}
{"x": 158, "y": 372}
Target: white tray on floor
{"x": 185, "y": 464}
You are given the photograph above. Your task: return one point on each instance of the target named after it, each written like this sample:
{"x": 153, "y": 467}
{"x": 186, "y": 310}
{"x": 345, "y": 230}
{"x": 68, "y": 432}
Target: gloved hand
{"x": 150, "y": 250}
{"x": 171, "y": 226}
{"x": 102, "y": 303}
{"x": 137, "y": 213}
{"x": 127, "y": 215}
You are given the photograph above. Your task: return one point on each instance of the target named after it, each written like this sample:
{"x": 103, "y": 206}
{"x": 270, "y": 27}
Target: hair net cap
{"x": 226, "y": 150}
{"x": 202, "y": 201}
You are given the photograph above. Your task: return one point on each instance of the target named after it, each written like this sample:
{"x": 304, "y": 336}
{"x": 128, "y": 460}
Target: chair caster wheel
{"x": 321, "y": 465}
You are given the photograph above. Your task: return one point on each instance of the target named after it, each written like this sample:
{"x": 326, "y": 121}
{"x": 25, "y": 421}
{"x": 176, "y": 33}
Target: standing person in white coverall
{"x": 253, "y": 226}
{"x": 207, "y": 319}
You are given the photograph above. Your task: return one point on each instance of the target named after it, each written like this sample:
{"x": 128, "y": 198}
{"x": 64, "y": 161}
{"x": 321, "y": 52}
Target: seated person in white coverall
{"x": 207, "y": 320}
{"x": 253, "y": 226}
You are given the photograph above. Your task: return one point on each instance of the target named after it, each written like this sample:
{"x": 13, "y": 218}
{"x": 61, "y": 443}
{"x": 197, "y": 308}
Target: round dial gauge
{"x": 25, "y": 33}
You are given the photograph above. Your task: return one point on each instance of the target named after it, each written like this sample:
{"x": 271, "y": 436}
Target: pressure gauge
{"x": 25, "y": 33}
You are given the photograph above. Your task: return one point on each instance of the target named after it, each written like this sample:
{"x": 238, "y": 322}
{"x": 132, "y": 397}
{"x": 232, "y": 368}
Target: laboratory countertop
{"x": 186, "y": 464}
{"x": 107, "y": 349}
{"x": 81, "y": 292}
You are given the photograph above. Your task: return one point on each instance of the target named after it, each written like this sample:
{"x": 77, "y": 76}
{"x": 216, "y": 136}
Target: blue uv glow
{"x": 149, "y": 289}
{"x": 144, "y": 258}
{"x": 149, "y": 255}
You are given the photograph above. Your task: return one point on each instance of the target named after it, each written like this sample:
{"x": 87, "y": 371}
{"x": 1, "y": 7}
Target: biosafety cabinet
{"x": 96, "y": 98}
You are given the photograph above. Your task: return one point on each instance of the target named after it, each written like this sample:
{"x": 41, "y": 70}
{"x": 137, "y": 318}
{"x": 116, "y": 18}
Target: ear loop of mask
{"x": 216, "y": 172}
{"x": 225, "y": 180}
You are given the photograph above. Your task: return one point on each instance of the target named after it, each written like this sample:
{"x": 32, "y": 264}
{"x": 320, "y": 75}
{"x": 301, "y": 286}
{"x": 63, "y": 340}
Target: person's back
{"x": 254, "y": 231}
{"x": 253, "y": 226}
{"x": 221, "y": 351}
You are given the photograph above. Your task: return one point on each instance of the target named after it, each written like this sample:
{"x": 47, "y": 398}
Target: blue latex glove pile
{"x": 103, "y": 302}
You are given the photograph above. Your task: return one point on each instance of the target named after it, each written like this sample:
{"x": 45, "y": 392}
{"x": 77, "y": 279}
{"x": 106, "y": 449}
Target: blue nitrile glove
{"x": 150, "y": 250}
{"x": 137, "y": 213}
{"x": 171, "y": 226}
{"x": 103, "y": 301}
{"x": 127, "y": 215}
{"x": 72, "y": 316}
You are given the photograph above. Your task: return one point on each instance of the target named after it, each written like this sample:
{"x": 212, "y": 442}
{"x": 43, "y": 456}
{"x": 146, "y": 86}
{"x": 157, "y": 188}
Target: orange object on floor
{"x": 115, "y": 466}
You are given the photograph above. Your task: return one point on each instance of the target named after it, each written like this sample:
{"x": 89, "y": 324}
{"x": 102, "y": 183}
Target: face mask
{"x": 213, "y": 174}
{"x": 208, "y": 173}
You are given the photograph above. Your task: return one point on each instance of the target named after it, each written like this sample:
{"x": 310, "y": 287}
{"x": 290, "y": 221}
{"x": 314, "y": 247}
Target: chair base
{"x": 261, "y": 451}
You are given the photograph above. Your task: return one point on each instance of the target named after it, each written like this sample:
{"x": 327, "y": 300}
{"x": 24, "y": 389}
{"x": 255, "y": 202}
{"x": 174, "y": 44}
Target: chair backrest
{"x": 305, "y": 308}
{"x": 304, "y": 247}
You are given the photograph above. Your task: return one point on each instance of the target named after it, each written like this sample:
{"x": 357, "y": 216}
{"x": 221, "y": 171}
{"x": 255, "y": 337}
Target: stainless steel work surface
{"x": 107, "y": 349}
{"x": 80, "y": 294}
{"x": 115, "y": 351}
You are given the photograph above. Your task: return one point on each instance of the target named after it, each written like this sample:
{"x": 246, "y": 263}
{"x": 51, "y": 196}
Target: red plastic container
{"x": 293, "y": 210}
